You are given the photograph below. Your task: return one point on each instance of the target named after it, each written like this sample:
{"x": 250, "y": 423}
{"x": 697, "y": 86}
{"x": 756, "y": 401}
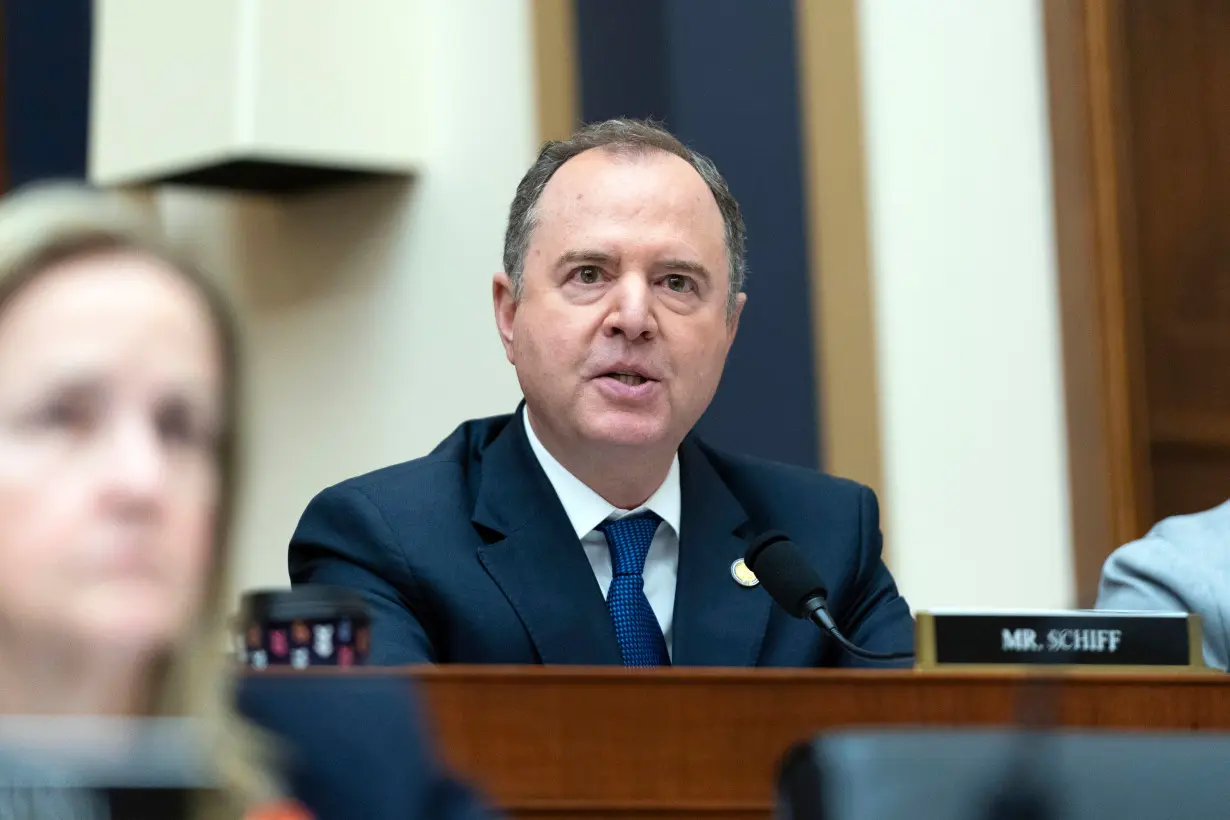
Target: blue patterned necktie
{"x": 636, "y": 627}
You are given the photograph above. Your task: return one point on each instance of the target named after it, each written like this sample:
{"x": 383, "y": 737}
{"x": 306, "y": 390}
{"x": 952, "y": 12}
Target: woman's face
{"x": 111, "y": 401}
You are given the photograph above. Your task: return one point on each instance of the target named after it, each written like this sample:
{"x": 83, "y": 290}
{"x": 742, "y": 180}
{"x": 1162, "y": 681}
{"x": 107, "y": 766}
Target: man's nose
{"x": 632, "y": 313}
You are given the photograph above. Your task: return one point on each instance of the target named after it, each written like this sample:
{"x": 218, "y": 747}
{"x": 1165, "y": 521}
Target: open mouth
{"x": 631, "y": 379}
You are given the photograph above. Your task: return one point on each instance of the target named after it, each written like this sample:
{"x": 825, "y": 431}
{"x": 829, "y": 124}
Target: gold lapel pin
{"x": 743, "y": 576}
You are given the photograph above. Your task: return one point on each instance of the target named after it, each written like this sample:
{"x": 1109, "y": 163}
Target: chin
{"x": 628, "y": 430}
{"x": 135, "y": 625}
{"x": 138, "y": 630}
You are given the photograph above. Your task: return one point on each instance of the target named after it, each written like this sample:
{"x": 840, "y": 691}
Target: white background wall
{"x": 964, "y": 274}
{"x": 368, "y": 311}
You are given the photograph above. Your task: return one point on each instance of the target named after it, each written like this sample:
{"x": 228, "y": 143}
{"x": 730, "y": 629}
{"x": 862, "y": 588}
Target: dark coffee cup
{"x": 308, "y": 626}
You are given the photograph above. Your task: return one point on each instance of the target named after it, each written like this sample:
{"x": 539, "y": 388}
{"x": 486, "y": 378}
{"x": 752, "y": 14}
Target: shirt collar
{"x": 585, "y": 508}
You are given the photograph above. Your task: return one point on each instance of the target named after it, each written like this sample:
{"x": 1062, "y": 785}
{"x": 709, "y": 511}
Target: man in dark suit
{"x": 592, "y": 526}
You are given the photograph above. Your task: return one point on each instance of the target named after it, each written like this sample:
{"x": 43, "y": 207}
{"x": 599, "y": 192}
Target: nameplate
{"x": 1082, "y": 638}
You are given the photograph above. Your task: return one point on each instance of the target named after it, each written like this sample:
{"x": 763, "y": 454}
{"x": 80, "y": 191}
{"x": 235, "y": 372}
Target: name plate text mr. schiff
{"x": 951, "y": 638}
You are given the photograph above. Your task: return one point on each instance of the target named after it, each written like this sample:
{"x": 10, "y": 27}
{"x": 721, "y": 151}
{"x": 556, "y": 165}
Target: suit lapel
{"x": 717, "y": 622}
{"x": 536, "y": 559}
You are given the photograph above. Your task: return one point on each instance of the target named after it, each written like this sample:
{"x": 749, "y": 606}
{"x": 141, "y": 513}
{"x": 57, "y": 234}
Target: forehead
{"x": 657, "y": 196}
{"x": 114, "y": 296}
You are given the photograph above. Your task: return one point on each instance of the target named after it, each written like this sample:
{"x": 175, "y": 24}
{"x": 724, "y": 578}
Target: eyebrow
{"x": 585, "y": 256}
{"x": 77, "y": 385}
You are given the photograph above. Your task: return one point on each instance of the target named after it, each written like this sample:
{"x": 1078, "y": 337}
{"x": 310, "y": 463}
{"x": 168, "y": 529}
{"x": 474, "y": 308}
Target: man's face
{"x": 621, "y": 331}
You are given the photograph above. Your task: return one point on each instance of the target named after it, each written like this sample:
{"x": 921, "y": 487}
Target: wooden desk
{"x": 556, "y": 742}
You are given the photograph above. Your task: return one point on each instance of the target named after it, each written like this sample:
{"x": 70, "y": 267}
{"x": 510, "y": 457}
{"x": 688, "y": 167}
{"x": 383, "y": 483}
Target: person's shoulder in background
{"x": 1181, "y": 565}
{"x": 354, "y": 746}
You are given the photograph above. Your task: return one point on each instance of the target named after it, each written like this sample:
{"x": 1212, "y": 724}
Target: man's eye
{"x": 679, "y": 283}
{"x": 588, "y": 275}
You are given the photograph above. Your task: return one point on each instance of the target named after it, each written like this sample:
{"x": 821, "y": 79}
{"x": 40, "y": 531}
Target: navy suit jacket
{"x": 467, "y": 556}
{"x": 355, "y": 745}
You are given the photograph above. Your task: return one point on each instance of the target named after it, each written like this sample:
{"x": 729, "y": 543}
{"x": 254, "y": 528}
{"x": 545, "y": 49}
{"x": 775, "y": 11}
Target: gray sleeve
{"x": 1156, "y": 574}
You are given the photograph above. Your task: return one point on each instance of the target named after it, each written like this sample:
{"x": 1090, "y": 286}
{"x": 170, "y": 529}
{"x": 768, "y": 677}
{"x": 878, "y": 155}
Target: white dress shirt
{"x": 586, "y": 510}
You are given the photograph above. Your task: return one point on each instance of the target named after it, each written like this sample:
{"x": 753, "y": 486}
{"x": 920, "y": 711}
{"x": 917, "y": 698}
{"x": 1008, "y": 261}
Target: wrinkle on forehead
{"x": 652, "y": 197}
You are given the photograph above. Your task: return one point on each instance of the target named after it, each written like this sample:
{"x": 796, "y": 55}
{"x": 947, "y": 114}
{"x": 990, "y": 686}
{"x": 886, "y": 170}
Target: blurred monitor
{"x": 80, "y": 768}
{"x": 1006, "y": 775}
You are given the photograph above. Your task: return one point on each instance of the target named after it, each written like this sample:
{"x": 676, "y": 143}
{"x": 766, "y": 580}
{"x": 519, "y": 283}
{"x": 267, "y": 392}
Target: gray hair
{"x": 626, "y": 137}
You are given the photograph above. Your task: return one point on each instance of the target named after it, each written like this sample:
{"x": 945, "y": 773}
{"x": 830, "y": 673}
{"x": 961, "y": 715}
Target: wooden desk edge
{"x": 741, "y": 675}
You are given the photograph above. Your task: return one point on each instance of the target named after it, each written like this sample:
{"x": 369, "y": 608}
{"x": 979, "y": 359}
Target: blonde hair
{"x": 53, "y": 222}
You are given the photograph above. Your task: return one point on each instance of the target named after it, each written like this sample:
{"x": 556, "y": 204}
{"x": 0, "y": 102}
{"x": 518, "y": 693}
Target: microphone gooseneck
{"x": 797, "y": 588}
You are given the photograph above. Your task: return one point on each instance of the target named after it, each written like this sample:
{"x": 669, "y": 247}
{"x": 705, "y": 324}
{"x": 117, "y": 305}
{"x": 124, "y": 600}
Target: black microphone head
{"x": 785, "y": 573}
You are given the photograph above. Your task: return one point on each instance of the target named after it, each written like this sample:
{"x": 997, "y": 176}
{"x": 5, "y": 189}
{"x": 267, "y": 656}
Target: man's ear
{"x": 732, "y": 322}
{"x": 505, "y": 304}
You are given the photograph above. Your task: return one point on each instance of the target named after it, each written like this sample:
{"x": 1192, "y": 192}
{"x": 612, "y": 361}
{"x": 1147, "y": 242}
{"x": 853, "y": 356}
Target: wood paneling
{"x": 838, "y": 239}
{"x": 1177, "y": 57}
{"x": 555, "y": 68}
{"x": 1190, "y": 477}
{"x": 1140, "y": 107}
{"x": 1109, "y": 468}
{"x": 551, "y": 742}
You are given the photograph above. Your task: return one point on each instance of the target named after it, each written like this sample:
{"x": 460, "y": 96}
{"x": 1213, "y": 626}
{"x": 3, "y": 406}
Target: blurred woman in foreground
{"x": 117, "y": 455}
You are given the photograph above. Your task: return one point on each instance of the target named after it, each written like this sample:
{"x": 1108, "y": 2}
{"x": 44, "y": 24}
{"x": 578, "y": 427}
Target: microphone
{"x": 796, "y": 586}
